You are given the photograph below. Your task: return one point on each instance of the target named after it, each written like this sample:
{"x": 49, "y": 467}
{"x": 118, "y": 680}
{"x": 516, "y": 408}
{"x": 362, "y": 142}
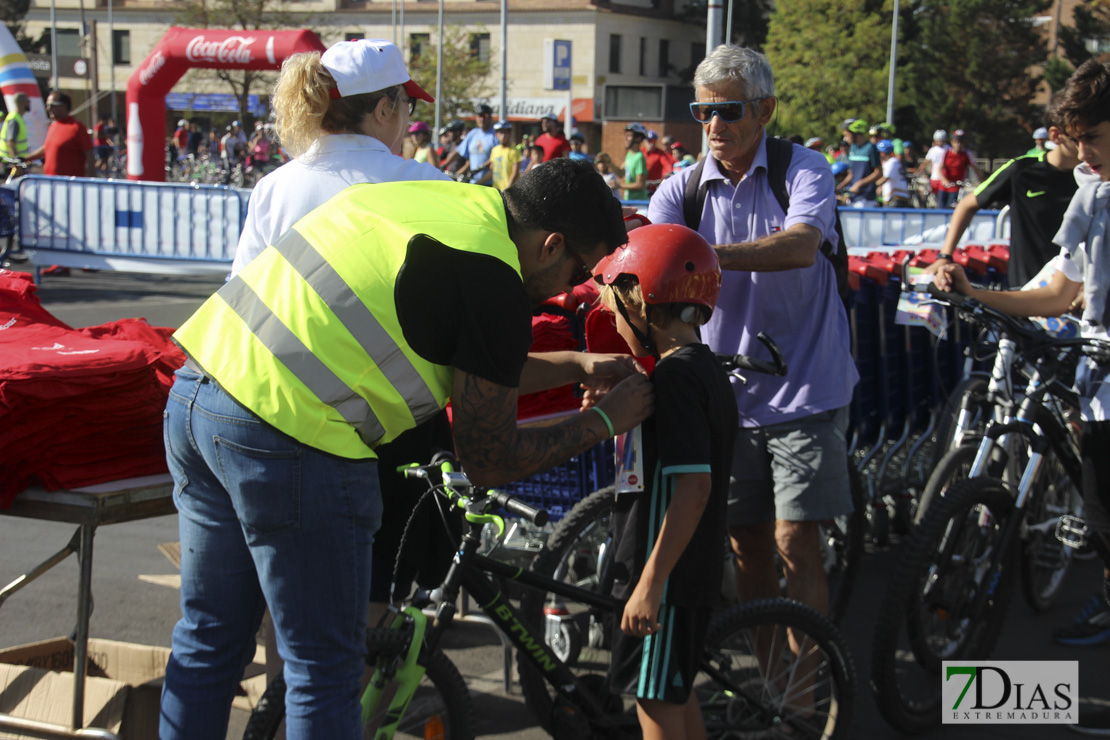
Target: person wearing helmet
{"x": 933, "y": 163}
{"x": 1040, "y": 141}
{"x": 1038, "y": 188}
{"x": 552, "y": 140}
{"x": 450, "y": 161}
{"x": 672, "y": 472}
{"x": 421, "y": 136}
{"x": 892, "y": 185}
{"x": 233, "y": 145}
{"x": 957, "y": 161}
{"x": 633, "y": 175}
{"x": 864, "y": 167}
{"x": 506, "y": 158}
{"x": 775, "y": 278}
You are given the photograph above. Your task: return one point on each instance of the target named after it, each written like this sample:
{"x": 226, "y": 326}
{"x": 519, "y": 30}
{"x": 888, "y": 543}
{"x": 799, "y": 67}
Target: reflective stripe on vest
{"x": 307, "y": 335}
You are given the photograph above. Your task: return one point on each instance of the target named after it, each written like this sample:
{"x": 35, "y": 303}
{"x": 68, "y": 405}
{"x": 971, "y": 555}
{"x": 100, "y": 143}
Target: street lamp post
{"x": 893, "y": 65}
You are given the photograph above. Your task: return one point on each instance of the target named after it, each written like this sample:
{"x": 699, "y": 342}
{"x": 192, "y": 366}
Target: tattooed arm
{"x": 494, "y": 451}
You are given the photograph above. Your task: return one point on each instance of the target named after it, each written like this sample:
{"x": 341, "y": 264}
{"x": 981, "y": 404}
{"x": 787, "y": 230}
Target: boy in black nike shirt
{"x": 672, "y": 475}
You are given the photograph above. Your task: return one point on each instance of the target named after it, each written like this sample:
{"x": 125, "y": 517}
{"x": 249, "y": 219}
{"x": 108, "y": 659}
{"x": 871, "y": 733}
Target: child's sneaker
{"x": 1091, "y": 627}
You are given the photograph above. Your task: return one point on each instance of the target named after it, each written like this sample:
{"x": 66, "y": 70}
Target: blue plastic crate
{"x": 560, "y": 488}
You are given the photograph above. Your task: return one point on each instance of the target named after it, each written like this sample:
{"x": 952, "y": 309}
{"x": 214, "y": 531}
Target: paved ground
{"x": 127, "y": 608}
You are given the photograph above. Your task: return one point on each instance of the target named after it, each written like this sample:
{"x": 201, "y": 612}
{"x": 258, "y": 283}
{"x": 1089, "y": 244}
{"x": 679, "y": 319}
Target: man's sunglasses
{"x": 728, "y": 111}
{"x": 582, "y": 272}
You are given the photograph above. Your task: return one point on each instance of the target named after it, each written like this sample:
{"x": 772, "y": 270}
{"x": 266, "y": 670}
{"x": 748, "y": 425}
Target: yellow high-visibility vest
{"x": 307, "y": 335}
{"x": 21, "y": 148}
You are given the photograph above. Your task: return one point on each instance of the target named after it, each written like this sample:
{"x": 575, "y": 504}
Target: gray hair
{"x": 732, "y": 63}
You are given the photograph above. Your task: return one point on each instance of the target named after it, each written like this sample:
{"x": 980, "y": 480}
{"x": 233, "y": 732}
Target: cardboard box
{"x": 122, "y": 690}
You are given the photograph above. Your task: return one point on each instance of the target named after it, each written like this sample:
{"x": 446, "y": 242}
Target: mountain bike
{"x": 950, "y": 592}
{"x": 749, "y": 678}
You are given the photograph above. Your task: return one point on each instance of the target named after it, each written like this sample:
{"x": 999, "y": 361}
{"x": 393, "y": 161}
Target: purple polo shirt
{"x": 800, "y": 309}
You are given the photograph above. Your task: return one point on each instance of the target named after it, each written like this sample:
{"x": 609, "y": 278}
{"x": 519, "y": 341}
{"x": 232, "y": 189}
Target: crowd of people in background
{"x": 473, "y": 157}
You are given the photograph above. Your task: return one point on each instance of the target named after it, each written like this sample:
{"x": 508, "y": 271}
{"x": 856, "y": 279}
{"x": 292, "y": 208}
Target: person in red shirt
{"x": 552, "y": 140}
{"x": 659, "y": 162}
{"x": 957, "y": 161}
{"x": 68, "y": 149}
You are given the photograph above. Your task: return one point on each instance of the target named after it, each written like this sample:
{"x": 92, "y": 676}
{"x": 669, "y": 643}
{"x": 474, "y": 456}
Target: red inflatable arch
{"x": 182, "y": 49}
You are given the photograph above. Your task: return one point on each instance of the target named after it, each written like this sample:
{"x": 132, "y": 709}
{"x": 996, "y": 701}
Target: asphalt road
{"x": 130, "y": 609}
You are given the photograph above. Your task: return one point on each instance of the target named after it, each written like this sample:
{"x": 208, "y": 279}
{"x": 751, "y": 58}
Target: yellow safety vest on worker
{"x": 307, "y": 335}
{"x": 21, "y": 148}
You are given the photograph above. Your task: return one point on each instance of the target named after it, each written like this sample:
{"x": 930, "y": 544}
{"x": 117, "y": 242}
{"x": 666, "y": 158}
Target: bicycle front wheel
{"x": 931, "y": 611}
{"x": 440, "y": 708}
{"x": 776, "y": 668}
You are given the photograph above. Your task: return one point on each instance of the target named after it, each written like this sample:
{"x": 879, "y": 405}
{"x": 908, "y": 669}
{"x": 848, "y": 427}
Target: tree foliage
{"x": 961, "y": 64}
{"x": 12, "y": 14}
{"x": 247, "y": 15}
{"x": 1090, "y": 21}
{"x": 749, "y": 24}
{"x": 830, "y": 59}
{"x": 466, "y": 77}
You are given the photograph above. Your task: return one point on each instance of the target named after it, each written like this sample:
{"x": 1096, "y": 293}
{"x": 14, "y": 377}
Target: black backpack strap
{"x": 779, "y": 154}
{"x": 693, "y": 197}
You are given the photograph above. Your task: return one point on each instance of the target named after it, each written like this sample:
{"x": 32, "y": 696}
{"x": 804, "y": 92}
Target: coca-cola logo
{"x": 233, "y": 50}
{"x": 156, "y": 63}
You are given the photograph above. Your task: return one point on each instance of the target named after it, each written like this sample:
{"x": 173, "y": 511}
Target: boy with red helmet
{"x": 672, "y": 474}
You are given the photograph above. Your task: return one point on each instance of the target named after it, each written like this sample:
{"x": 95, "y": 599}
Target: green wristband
{"x": 605, "y": 418}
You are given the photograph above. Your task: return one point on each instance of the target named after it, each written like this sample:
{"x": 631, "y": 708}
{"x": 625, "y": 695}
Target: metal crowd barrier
{"x": 97, "y": 224}
{"x": 867, "y": 228}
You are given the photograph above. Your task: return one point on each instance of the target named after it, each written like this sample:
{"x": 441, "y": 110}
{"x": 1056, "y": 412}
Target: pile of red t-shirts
{"x": 78, "y": 406}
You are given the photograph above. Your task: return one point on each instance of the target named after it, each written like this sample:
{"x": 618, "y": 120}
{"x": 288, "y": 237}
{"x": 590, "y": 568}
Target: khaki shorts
{"x": 796, "y": 471}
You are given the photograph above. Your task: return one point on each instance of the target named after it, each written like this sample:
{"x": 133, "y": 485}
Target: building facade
{"x": 626, "y": 57}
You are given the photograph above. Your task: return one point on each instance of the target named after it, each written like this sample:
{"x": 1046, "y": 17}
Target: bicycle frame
{"x": 468, "y": 570}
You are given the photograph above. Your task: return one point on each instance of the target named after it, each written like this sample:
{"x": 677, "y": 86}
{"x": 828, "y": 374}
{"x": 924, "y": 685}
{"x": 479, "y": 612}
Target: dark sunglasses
{"x": 412, "y": 106}
{"x": 582, "y": 272}
{"x": 728, "y": 111}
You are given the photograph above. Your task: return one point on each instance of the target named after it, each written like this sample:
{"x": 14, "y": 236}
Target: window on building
{"x": 418, "y": 44}
{"x": 479, "y": 47}
{"x": 614, "y": 53}
{"x": 664, "y": 57}
{"x": 643, "y": 56}
{"x": 697, "y": 53}
{"x": 353, "y": 36}
{"x": 69, "y": 42}
{"x": 121, "y": 47}
{"x": 632, "y": 103}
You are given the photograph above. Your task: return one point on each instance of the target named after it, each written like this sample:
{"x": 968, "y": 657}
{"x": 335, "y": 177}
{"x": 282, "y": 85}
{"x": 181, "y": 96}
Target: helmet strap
{"x": 645, "y": 340}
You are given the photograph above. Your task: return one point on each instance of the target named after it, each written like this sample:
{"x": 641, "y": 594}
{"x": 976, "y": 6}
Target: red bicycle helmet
{"x": 673, "y": 263}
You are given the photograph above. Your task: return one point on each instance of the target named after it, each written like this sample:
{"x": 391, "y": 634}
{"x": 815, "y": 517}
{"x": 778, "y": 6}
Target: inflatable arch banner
{"x": 16, "y": 77}
{"x": 182, "y": 49}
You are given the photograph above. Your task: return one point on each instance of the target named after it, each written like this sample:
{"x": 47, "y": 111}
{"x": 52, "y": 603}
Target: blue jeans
{"x": 265, "y": 520}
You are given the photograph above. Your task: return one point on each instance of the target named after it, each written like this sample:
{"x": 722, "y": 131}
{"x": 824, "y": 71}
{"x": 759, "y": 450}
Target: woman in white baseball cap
{"x": 343, "y": 116}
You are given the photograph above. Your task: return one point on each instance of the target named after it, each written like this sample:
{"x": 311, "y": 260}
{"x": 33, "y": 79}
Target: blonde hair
{"x": 304, "y": 110}
{"x": 627, "y": 288}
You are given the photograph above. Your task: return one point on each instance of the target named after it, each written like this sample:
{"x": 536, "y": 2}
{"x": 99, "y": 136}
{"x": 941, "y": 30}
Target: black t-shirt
{"x": 466, "y": 310}
{"x": 1038, "y": 195}
{"x": 691, "y": 431}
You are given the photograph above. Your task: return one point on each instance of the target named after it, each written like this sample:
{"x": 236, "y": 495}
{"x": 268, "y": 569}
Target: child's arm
{"x": 1051, "y": 300}
{"x": 691, "y": 493}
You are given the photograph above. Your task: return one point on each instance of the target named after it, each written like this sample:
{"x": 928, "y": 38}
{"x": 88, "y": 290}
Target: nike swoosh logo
{"x": 1031, "y": 194}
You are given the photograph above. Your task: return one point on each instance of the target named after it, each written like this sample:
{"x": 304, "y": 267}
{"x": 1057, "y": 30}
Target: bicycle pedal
{"x": 1072, "y": 531}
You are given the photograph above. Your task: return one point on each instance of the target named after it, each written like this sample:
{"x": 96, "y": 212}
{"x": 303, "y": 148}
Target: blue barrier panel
{"x": 889, "y": 227}
{"x": 133, "y": 226}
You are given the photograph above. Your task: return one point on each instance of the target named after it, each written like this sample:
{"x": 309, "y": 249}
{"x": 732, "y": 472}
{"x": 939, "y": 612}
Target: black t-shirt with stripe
{"x": 692, "y": 430}
{"x": 1038, "y": 195}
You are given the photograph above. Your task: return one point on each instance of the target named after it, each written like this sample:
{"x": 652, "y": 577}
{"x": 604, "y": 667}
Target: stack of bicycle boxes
{"x": 77, "y": 406}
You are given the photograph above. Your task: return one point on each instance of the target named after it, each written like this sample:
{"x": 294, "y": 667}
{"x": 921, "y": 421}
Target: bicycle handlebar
{"x": 1030, "y": 334}
{"x": 776, "y": 367}
{"x": 455, "y": 481}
